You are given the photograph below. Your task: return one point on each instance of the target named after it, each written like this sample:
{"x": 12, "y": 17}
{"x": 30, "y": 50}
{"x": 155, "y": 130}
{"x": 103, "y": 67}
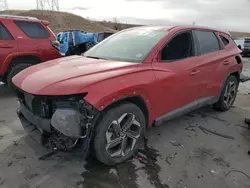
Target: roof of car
{"x": 180, "y": 27}
{"x": 15, "y": 17}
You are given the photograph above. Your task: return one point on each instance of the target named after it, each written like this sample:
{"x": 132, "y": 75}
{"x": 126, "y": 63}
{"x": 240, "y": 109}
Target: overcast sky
{"x": 223, "y": 14}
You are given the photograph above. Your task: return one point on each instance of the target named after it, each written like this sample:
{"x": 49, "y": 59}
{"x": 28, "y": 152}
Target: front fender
{"x": 105, "y": 93}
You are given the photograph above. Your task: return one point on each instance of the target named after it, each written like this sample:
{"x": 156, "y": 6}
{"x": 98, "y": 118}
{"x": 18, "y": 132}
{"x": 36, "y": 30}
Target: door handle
{"x": 194, "y": 72}
{"x": 226, "y": 62}
{"x": 6, "y": 46}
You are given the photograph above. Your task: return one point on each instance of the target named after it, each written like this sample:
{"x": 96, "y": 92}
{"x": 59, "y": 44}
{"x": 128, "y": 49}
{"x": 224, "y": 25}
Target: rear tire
{"x": 228, "y": 94}
{"x": 114, "y": 125}
{"x": 14, "y": 71}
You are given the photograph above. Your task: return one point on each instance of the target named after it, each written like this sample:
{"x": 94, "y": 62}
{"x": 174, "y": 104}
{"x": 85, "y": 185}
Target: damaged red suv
{"x": 134, "y": 79}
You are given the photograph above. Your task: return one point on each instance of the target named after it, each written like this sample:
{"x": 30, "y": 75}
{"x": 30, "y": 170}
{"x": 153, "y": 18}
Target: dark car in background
{"x": 246, "y": 50}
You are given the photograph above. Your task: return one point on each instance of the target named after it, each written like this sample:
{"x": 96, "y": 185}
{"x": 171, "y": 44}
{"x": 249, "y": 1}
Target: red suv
{"x": 24, "y": 41}
{"x": 132, "y": 80}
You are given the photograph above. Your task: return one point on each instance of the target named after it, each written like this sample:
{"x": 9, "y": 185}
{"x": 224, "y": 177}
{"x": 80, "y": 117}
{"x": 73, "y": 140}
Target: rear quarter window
{"x": 33, "y": 30}
{"x": 208, "y": 42}
{"x": 224, "y": 40}
{"x": 4, "y": 33}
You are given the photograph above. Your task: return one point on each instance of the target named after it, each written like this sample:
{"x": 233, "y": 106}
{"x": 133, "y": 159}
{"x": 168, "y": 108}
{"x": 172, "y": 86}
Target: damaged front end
{"x": 63, "y": 121}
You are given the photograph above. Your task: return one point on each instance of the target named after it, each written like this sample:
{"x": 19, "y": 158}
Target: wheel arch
{"x": 32, "y": 59}
{"x": 236, "y": 74}
{"x": 138, "y": 101}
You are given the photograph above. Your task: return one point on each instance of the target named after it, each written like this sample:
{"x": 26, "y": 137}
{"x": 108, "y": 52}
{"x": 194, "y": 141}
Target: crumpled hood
{"x": 68, "y": 75}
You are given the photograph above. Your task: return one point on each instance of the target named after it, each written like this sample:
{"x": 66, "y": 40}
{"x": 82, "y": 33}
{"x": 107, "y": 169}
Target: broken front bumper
{"x": 27, "y": 116}
{"x": 63, "y": 130}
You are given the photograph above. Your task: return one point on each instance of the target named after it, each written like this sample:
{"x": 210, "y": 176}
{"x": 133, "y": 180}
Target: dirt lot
{"x": 178, "y": 154}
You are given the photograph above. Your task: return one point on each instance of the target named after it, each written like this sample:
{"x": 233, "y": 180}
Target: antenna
{"x": 3, "y": 5}
{"x": 47, "y": 5}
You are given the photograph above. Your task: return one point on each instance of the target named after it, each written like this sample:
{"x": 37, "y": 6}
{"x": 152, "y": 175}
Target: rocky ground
{"x": 177, "y": 154}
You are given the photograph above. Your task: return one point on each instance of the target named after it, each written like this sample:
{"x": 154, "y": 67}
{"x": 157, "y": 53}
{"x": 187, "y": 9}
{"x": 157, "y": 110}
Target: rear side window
{"x": 208, "y": 42}
{"x": 224, "y": 40}
{"x": 33, "y": 30}
{"x": 4, "y": 33}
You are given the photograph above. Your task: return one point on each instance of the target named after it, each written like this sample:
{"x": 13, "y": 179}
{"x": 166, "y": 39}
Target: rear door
{"x": 8, "y": 46}
{"x": 213, "y": 62}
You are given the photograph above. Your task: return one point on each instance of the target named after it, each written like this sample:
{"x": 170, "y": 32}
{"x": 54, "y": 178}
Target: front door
{"x": 8, "y": 46}
{"x": 176, "y": 73}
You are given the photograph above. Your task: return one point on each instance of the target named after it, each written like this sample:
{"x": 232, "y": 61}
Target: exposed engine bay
{"x": 62, "y": 120}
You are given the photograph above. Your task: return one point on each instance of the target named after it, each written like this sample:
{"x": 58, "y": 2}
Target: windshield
{"x": 130, "y": 45}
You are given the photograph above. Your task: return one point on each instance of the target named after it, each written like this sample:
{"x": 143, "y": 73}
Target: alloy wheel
{"x": 230, "y": 93}
{"x": 122, "y": 135}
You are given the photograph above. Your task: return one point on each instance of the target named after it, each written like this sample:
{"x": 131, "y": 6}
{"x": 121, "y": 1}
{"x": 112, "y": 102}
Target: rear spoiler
{"x": 46, "y": 23}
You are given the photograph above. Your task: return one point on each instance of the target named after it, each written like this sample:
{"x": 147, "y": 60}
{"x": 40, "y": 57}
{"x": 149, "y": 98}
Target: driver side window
{"x": 180, "y": 47}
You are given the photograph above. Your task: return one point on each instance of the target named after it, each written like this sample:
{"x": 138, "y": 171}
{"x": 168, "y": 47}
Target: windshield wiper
{"x": 94, "y": 57}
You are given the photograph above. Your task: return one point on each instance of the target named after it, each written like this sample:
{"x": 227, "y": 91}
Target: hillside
{"x": 60, "y": 21}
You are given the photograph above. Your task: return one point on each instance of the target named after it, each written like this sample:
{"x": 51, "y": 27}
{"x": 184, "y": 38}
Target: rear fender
{"x": 7, "y": 61}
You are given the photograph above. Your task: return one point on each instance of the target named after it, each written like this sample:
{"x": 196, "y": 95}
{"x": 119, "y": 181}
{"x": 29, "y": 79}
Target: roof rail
{"x": 18, "y": 17}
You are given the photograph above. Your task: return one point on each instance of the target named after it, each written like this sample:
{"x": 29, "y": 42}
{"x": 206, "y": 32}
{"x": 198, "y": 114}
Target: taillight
{"x": 55, "y": 44}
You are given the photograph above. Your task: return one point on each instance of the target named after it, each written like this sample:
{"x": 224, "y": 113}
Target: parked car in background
{"x": 76, "y": 42}
{"x": 24, "y": 41}
{"x": 239, "y": 42}
{"x": 137, "y": 78}
{"x": 246, "y": 50}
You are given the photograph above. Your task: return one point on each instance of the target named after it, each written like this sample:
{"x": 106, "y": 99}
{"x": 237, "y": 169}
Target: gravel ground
{"x": 177, "y": 154}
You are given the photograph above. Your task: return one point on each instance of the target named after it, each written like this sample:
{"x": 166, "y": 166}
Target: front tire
{"x": 228, "y": 94}
{"x": 119, "y": 133}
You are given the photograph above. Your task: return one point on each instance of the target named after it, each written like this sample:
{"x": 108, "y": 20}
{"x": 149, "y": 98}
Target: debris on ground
{"x": 204, "y": 151}
{"x": 2, "y": 121}
{"x": 238, "y": 172}
{"x": 180, "y": 184}
{"x": 175, "y": 143}
{"x": 215, "y": 172}
{"x": 215, "y": 133}
{"x": 221, "y": 162}
{"x": 10, "y": 163}
{"x": 113, "y": 171}
{"x": 31, "y": 176}
{"x": 190, "y": 128}
{"x": 200, "y": 176}
{"x": 244, "y": 78}
{"x": 15, "y": 143}
{"x": 171, "y": 157}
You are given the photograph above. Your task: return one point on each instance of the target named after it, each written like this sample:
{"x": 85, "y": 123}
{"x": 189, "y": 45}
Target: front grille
{"x": 36, "y": 104}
